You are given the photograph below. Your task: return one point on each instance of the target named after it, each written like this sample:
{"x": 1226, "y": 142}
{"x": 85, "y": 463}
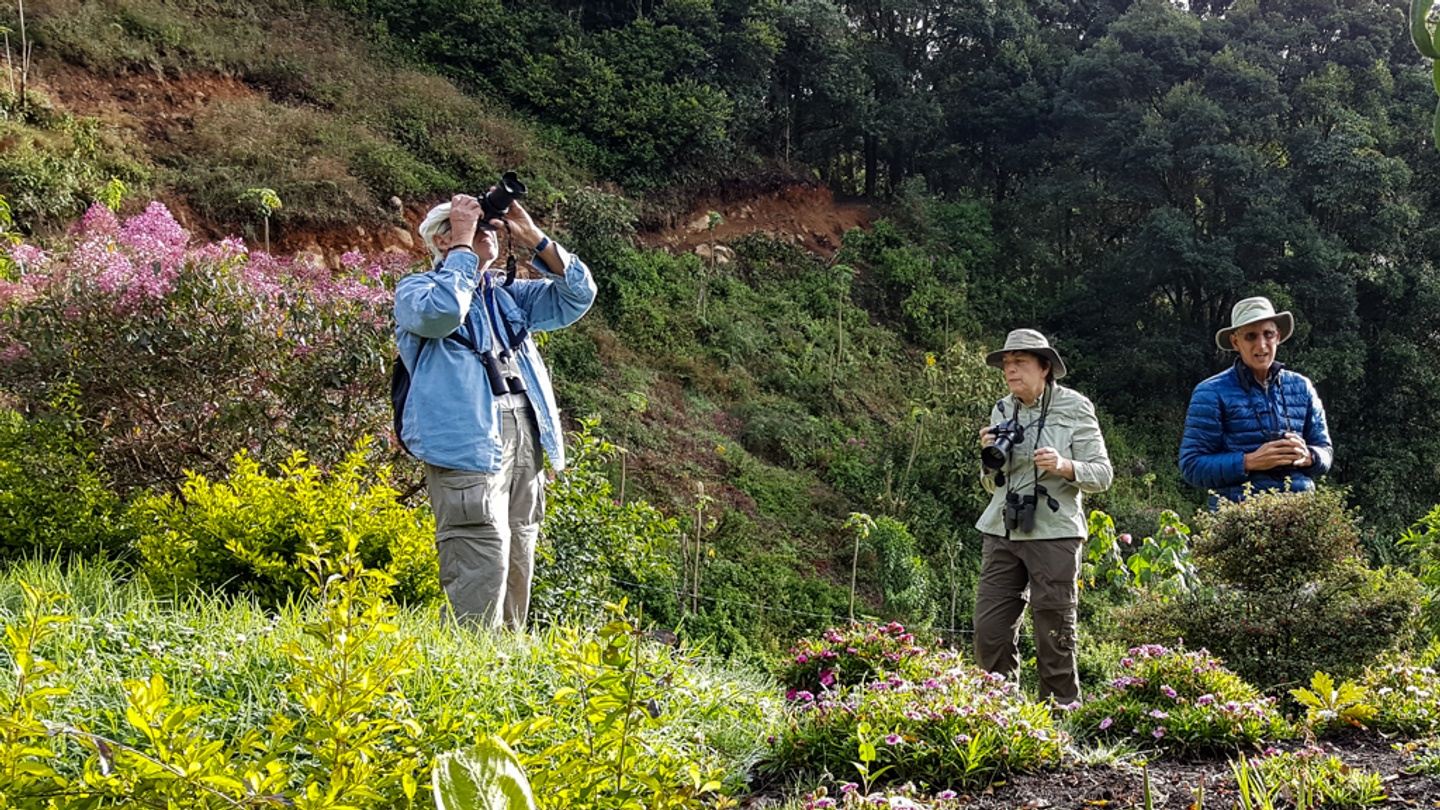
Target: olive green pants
{"x": 486, "y": 525}
{"x": 1043, "y": 573}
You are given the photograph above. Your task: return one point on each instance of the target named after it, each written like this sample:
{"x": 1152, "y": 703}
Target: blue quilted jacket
{"x": 1231, "y": 414}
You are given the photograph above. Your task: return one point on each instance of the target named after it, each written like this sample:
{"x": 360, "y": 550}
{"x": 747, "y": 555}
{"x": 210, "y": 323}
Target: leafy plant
{"x": 1405, "y": 690}
{"x": 1178, "y": 700}
{"x": 959, "y": 726}
{"x": 856, "y": 654}
{"x": 486, "y": 777}
{"x": 1304, "y": 780}
{"x": 610, "y": 706}
{"x": 1162, "y": 564}
{"x": 1329, "y": 706}
{"x": 54, "y": 499}
{"x": 252, "y": 531}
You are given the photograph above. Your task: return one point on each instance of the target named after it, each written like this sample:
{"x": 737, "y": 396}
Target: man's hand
{"x": 1050, "y": 460}
{"x": 1287, "y": 452}
{"x": 464, "y": 218}
{"x": 986, "y": 437}
{"x": 522, "y": 228}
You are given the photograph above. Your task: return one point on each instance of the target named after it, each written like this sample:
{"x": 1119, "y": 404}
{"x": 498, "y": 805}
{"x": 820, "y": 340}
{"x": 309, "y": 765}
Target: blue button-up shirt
{"x": 451, "y": 417}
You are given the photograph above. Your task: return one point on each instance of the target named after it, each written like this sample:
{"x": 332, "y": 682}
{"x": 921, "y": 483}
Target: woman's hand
{"x": 1050, "y": 460}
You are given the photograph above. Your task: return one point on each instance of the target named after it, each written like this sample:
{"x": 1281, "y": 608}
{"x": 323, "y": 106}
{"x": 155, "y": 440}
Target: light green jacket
{"x": 1072, "y": 429}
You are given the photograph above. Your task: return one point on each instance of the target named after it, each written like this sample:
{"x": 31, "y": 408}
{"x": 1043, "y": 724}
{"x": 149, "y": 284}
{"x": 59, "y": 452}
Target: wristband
{"x": 542, "y": 244}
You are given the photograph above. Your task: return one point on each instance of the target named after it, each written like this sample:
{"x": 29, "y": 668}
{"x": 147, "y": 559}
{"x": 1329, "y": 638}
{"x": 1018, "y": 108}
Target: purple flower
{"x": 1158, "y": 714}
{"x": 1168, "y": 692}
{"x": 1158, "y": 732}
{"x": 849, "y": 787}
{"x": 962, "y": 739}
{"x": 946, "y": 794}
{"x": 802, "y": 658}
{"x": 1204, "y": 700}
{"x": 893, "y": 739}
{"x": 827, "y": 677}
{"x": 1107, "y": 723}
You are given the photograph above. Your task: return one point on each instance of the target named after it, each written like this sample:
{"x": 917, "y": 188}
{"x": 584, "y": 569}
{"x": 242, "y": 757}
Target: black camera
{"x": 495, "y": 204}
{"x": 1006, "y": 437}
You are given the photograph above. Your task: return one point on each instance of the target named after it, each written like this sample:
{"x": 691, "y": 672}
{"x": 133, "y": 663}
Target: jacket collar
{"x": 1247, "y": 379}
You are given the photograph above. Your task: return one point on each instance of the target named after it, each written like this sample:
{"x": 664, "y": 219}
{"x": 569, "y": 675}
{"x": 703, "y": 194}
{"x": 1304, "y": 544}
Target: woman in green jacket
{"x": 1042, "y": 452}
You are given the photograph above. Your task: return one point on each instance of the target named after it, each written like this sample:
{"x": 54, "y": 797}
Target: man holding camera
{"x": 1257, "y": 425}
{"x": 480, "y": 407}
{"x": 1041, "y": 453}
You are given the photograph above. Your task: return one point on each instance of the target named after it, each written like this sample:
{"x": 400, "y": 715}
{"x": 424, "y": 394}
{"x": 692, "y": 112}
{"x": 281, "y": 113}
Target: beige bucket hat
{"x": 1027, "y": 340}
{"x": 1253, "y": 310}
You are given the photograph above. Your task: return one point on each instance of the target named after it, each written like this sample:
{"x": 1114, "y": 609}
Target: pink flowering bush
{"x": 181, "y": 353}
{"x": 956, "y": 726}
{"x": 860, "y": 652}
{"x": 1179, "y": 701}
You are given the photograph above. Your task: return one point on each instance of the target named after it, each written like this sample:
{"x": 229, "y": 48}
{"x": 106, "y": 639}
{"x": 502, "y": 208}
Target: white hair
{"x": 436, "y": 223}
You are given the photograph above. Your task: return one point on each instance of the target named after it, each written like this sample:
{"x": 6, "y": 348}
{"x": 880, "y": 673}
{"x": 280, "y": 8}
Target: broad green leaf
{"x": 486, "y": 777}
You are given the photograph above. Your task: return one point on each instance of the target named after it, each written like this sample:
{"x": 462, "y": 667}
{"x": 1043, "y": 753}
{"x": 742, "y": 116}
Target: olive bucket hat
{"x": 1253, "y": 310}
{"x": 1027, "y": 340}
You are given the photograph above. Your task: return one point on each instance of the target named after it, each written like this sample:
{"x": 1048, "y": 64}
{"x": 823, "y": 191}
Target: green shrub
{"x": 1272, "y": 609}
{"x": 593, "y": 547}
{"x": 247, "y": 534}
{"x": 958, "y": 726}
{"x": 1178, "y": 701}
{"x": 1275, "y": 540}
{"x": 1423, "y": 541}
{"x": 54, "y": 499}
{"x": 904, "y": 578}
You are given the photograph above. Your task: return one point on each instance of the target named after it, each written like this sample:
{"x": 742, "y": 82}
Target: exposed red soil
{"x": 156, "y": 109}
{"x": 808, "y": 215}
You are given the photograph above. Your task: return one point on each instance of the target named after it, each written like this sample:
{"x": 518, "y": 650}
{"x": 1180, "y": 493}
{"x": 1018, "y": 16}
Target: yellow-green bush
{"x": 246, "y": 534}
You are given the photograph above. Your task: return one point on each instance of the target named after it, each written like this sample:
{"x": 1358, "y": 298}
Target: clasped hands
{"x": 1287, "y": 451}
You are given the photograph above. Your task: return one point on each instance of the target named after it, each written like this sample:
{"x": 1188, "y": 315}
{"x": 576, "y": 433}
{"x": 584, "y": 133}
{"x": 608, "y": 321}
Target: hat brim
{"x": 1284, "y": 320}
{"x": 996, "y": 359}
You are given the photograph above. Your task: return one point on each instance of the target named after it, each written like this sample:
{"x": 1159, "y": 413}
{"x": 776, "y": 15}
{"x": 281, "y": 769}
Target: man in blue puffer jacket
{"x": 1256, "y": 425}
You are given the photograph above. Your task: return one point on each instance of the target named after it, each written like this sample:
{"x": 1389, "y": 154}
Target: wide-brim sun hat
{"x": 1254, "y": 310}
{"x": 1027, "y": 340}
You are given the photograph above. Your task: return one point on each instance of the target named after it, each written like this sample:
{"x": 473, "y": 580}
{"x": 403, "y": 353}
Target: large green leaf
{"x": 487, "y": 777}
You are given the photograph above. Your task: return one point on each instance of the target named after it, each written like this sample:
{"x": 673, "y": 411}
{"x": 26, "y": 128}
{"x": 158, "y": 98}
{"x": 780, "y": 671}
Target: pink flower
{"x": 1168, "y": 692}
{"x": 802, "y": 658}
{"x": 1204, "y": 700}
{"x": 1158, "y": 714}
{"x": 893, "y": 739}
{"x": 98, "y": 221}
{"x": 1126, "y": 538}
{"x": 827, "y": 677}
{"x": 1158, "y": 732}
{"x": 1107, "y": 723}
{"x": 946, "y": 794}
{"x": 849, "y": 787}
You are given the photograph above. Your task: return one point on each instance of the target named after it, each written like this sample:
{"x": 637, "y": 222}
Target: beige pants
{"x": 486, "y": 525}
{"x": 1044, "y": 573}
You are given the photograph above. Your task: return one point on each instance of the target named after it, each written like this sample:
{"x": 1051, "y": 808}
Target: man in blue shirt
{"x": 480, "y": 408}
{"x": 1257, "y": 425}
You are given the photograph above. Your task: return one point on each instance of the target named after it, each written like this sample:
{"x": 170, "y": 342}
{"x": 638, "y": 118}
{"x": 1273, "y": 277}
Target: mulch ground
{"x": 1174, "y": 784}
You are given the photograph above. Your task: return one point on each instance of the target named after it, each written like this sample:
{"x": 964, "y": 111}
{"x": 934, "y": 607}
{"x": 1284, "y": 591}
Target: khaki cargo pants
{"x": 1044, "y": 573}
{"x": 486, "y": 525}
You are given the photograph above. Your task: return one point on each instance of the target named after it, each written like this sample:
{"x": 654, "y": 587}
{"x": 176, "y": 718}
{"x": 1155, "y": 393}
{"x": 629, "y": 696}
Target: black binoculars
{"x": 500, "y": 372}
